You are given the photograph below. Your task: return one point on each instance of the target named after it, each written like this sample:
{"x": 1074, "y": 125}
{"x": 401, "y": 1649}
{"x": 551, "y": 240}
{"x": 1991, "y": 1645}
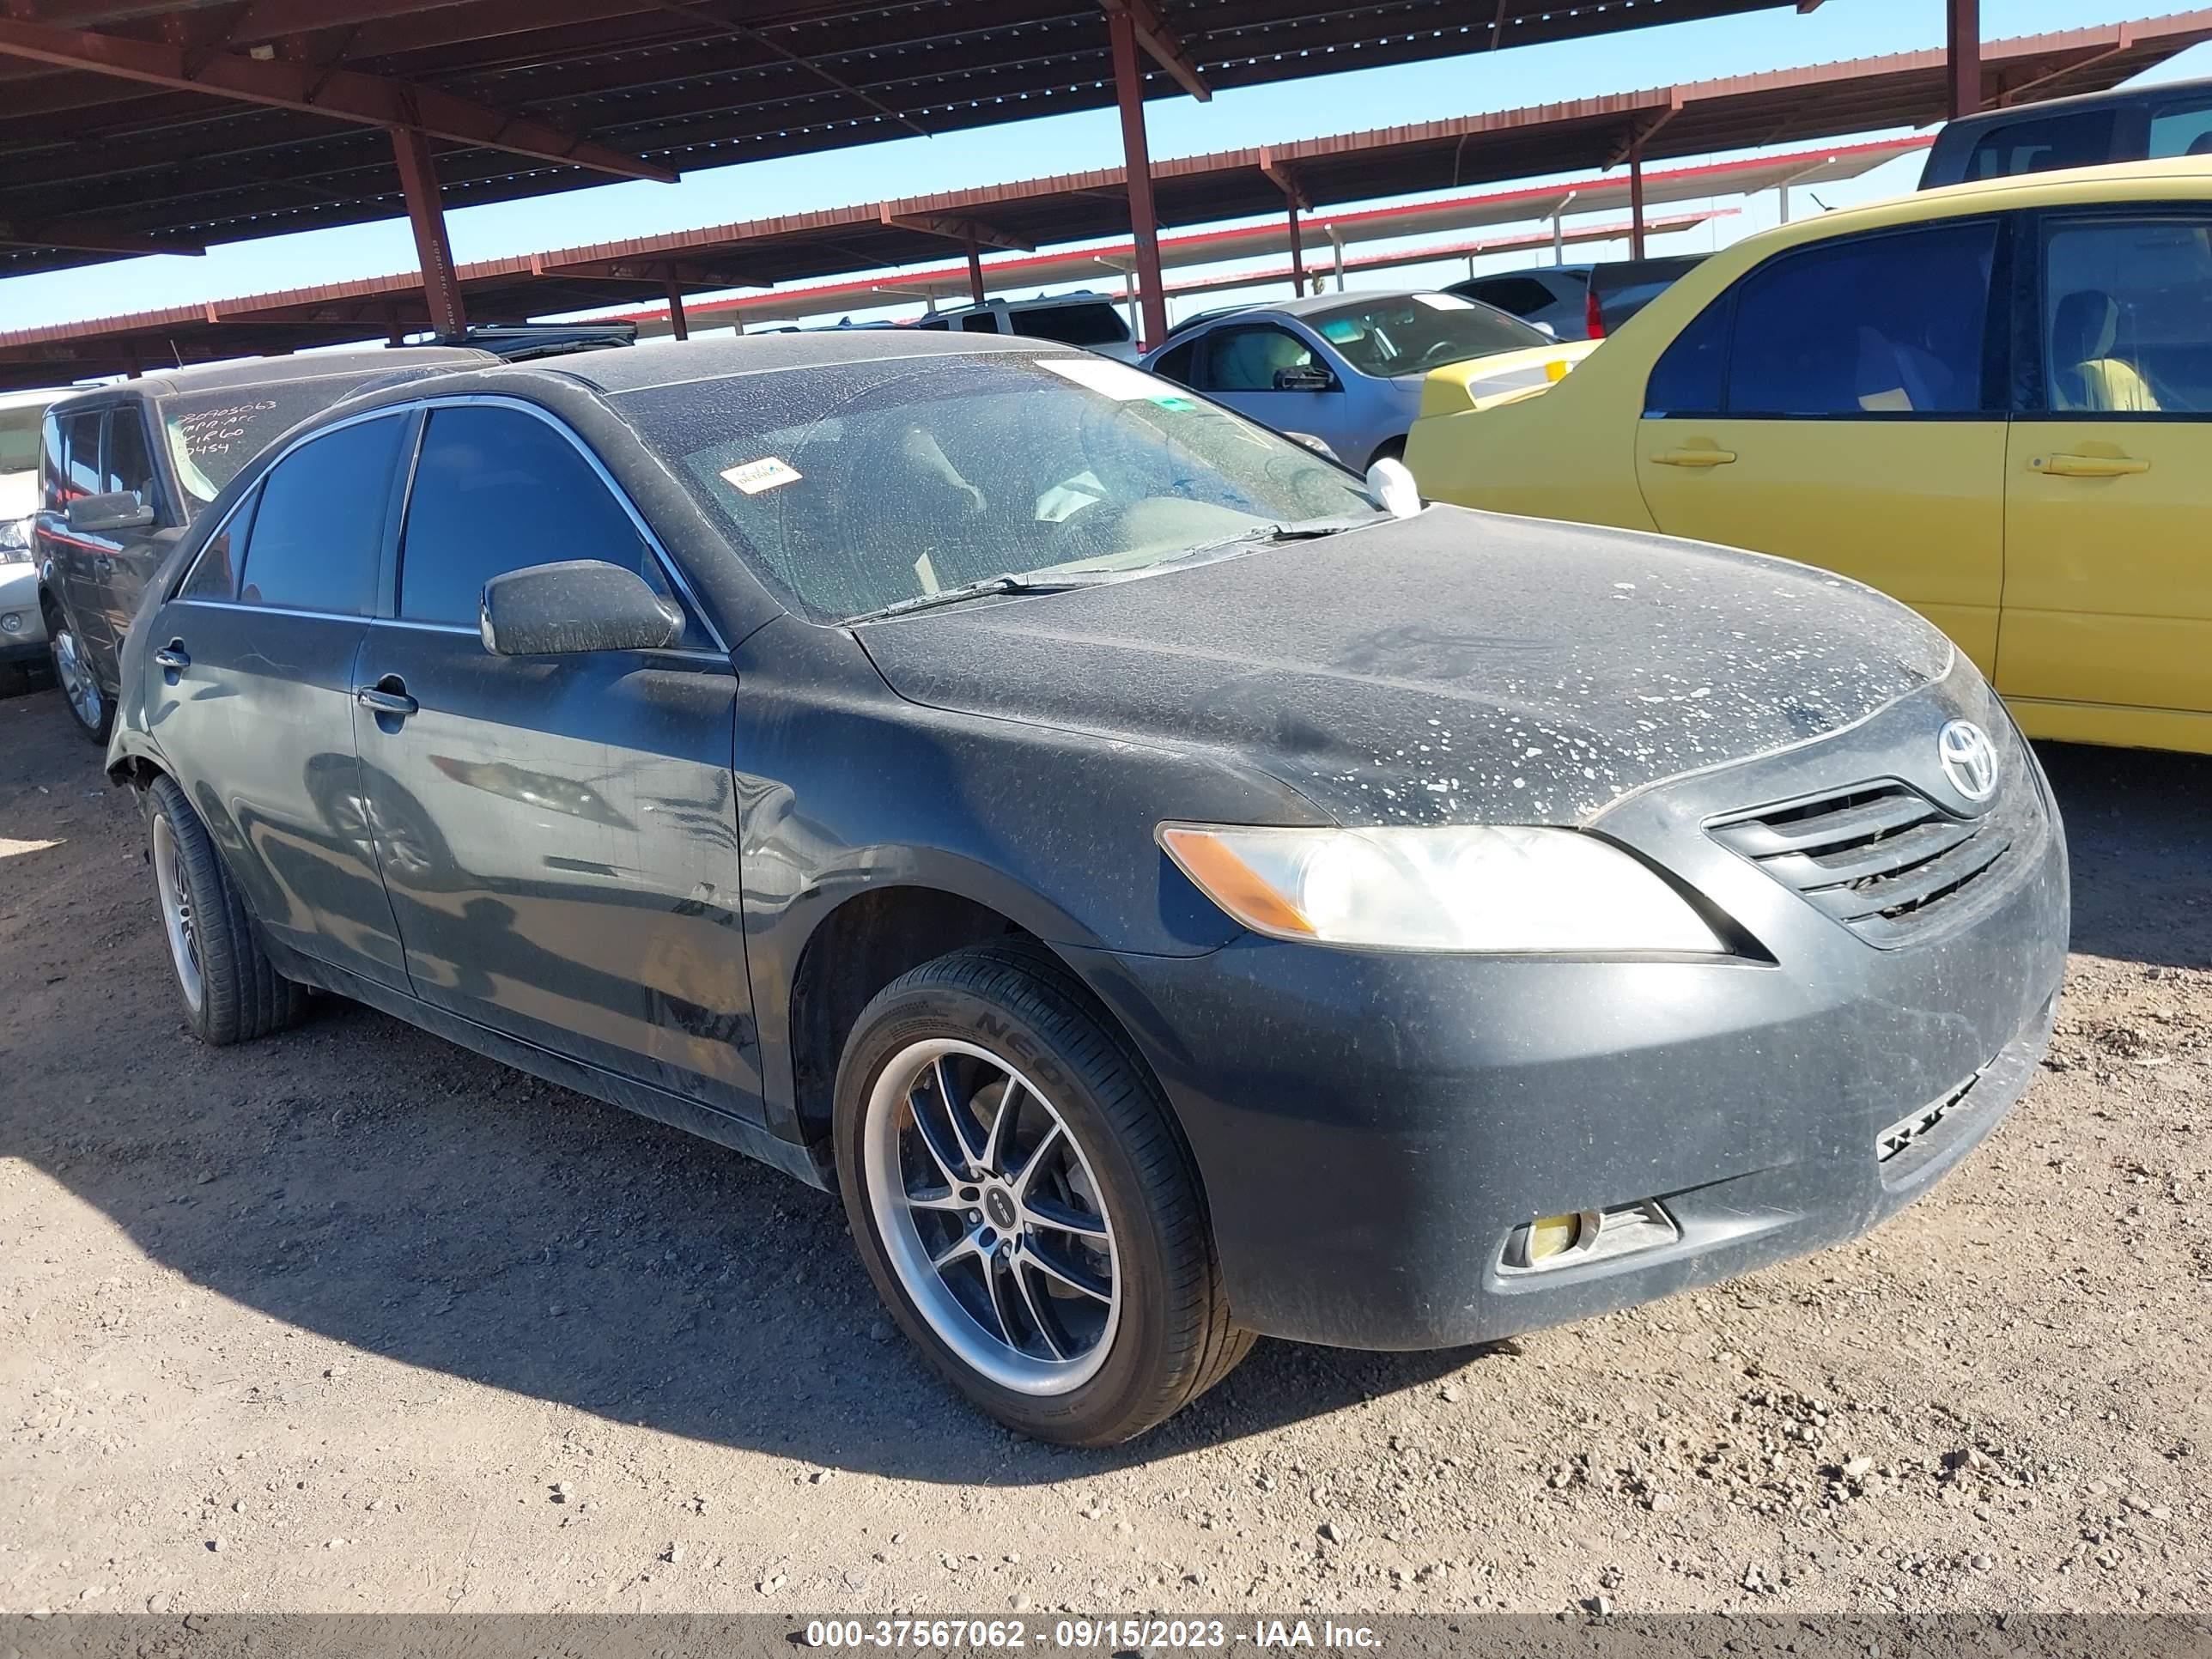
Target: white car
{"x": 23, "y": 628}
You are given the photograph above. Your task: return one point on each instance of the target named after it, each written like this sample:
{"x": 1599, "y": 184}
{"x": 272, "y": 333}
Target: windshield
{"x": 213, "y": 435}
{"x": 1412, "y": 333}
{"x": 855, "y": 486}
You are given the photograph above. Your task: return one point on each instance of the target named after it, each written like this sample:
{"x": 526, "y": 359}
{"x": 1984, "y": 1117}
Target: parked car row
{"x": 1012, "y": 788}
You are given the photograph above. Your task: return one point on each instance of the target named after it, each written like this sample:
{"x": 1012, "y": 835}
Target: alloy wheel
{"x": 78, "y": 684}
{"x": 991, "y": 1217}
{"x": 177, "y": 920}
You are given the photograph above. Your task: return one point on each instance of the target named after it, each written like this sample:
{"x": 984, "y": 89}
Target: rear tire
{"x": 1100, "y": 1312}
{"x": 230, "y": 992}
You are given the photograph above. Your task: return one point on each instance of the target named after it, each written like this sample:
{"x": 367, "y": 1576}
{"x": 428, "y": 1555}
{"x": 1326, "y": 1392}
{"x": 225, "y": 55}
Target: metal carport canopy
{"x": 140, "y": 126}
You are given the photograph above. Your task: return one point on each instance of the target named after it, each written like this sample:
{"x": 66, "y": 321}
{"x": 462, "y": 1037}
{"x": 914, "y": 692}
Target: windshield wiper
{"x": 975, "y": 590}
{"x": 1270, "y": 535}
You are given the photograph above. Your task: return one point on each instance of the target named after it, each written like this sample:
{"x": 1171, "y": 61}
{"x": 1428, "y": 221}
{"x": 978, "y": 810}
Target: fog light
{"x": 12, "y": 623}
{"x": 1554, "y": 1235}
{"x": 1560, "y": 1240}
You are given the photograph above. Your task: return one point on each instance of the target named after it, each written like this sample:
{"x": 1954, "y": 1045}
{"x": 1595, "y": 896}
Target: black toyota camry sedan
{"x": 1168, "y": 894}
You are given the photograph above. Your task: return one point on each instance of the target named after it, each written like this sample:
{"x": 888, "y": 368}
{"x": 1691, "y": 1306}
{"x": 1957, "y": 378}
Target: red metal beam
{"x": 1636, "y": 200}
{"x": 1963, "y": 45}
{"x": 957, "y": 229}
{"x": 678, "y": 323}
{"x": 441, "y": 284}
{"x": 90, "y": 236}
{"x": 977, "y": 292}
{"x": 1162, "y": 44}
{"x": 2124, "y": 41}
{"x": 1144, "y": 220}
{"x": 343, "y": 94}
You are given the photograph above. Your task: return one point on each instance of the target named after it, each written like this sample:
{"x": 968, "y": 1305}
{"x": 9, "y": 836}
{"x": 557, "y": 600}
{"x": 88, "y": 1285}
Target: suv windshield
{"x": 855, "y": 486}
{"x": 1410, "y": 333}
{"x": 212, "y": 434}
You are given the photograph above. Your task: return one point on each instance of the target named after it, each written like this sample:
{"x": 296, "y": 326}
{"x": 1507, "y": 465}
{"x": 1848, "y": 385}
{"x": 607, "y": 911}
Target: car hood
{"x": 1455, "y": 667}
{"x": 19, "y": 494}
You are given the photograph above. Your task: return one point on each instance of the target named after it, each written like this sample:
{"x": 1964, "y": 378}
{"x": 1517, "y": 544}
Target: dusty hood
{"x": 19, "y": 494}
{"x": 1457, "y": 667}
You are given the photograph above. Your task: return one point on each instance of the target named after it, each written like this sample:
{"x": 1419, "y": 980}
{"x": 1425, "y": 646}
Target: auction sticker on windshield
{"x": 766, "y": 473}
{"x": 1117, "y": 380}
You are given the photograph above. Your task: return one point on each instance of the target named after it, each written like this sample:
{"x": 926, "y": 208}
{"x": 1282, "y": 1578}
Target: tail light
{"x": 1593, "y": 316}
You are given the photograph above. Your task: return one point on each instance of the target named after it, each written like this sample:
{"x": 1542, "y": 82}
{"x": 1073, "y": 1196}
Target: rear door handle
{"x": 385, "y": 702}
{"x": 174, "y": 656}
{"x": 1694, "y": 456}
{"x": 2087, "y": 466}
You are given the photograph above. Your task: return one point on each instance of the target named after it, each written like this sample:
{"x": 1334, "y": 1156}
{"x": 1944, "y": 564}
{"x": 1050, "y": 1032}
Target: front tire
{"x": 90, "y": 709}
{"x": 1020, "y": 1196}
{"x": 230, "y": 992}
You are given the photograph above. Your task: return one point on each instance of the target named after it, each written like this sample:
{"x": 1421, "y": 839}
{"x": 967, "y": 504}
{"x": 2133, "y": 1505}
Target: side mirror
{"x": 93, "y": 515}
{"x": 1390, "y": 486}
{"x": 572, "y": 608}
{"x": 1310, "y": 378}
{"x": 1320, "y": 447}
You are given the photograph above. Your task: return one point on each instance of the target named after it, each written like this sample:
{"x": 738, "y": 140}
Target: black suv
{"x": 125, "y": 468}
{"x": 2136, "y": 124}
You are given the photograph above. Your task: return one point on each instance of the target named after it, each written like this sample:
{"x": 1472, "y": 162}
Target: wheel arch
{"x": 865, "y": 942}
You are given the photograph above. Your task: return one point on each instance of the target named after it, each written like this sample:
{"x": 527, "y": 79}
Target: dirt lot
{"x": 351, "y": 1319}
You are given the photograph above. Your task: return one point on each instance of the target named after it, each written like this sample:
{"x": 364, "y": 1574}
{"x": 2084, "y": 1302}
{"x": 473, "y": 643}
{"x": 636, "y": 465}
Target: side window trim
{"x": 243, "y": 505}
{"x": 669, "y": 567}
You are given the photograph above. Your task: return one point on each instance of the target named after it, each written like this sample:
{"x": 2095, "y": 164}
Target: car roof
{"x": 2158, "y": 92}
{"x": 2178, "y": 177}
{"x": 250, "y": 372}
{"x": 672, "y": 363}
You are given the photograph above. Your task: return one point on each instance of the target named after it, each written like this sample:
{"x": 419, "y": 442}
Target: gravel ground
{"x": 351, "y": 1319}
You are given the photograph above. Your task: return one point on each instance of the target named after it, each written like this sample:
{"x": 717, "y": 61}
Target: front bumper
{"x": 1372, "y": 1129}
{"x": 19, "y": 598}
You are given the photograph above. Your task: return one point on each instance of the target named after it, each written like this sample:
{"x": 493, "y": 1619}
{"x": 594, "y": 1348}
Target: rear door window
{"x": 2082, "y": 140}
{"x": 1883, "y": 324}
{"x": 1523, "y": 296}
{"x": 1093, "y": 324}
{"x": 2181, "y": 129}
{"x": 318, "y": 537}
{"x": 497, "y": 490}
{"x": 2127, "y": 315}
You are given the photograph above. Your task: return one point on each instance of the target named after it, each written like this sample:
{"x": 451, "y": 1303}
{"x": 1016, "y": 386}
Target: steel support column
{"x": 1636, "y": 200}
{"x": 974, "y": 270}
{"x": 1963, "y": 67}
{"x": 418, "y": 178}
{"x": 678, "y": 323}
{"x": 1129, "y": 90}
{"x": 1297, "y": 255}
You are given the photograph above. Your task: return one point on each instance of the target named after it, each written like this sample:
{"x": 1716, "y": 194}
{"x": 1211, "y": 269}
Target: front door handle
{"x": 2087, "y": 466}
{"x": 1694, "y": 456}
{"x": 384, "y": 702}
{"x": 174, "y": 656}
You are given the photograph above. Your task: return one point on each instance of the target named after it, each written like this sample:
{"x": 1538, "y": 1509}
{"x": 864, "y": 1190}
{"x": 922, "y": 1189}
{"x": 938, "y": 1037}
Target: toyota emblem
{"x": 1969, "y": 759}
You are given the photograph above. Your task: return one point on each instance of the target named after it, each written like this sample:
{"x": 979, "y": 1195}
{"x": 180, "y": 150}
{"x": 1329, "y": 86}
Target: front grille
{"x": 1881, "y": 858}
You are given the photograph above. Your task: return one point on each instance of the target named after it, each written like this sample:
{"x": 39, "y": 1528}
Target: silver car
{"x": 1345, "y": 368}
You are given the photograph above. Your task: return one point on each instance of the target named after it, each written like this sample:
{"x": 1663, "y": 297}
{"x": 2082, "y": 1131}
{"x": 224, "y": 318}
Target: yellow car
{"x": 1993, "y": 402}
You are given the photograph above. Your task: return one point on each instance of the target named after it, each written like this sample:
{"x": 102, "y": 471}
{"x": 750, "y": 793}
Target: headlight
{"x": 1478, "y": 889}
{"x": 14, "y": 541}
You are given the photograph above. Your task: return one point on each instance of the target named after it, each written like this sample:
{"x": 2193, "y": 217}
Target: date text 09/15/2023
{"x": 1011, "y": 1635}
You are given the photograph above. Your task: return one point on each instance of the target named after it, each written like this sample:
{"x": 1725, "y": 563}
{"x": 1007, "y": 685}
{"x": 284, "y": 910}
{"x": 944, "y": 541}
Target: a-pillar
{"x": 442, "y": 283}
{"x": 1129, "y": 91}
{"x": 1963, "y": 61}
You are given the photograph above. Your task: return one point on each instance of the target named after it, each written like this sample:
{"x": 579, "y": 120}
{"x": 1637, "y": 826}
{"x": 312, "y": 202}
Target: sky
{"x": 1657, "y": 56}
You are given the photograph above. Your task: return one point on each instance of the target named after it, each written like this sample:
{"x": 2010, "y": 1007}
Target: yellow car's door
{"x": 1840, "y": 404}
{"x": 2107, "y": 629}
